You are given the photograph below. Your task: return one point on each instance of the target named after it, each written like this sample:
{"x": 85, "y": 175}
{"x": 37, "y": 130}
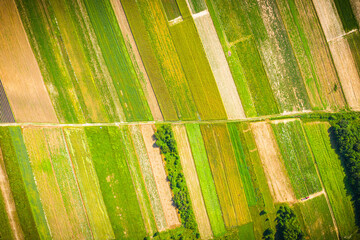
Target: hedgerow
{"x": 166, "y": 141}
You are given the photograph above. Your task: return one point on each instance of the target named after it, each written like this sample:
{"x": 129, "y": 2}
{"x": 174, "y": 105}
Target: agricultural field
{"x": 333, "y": 175}
{"x": 297, "y": 157}
{"x": 178, "y": 119}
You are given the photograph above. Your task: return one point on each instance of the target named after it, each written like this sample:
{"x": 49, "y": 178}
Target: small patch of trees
{"x": 287, "y": 227}
{"x": 166, "y": 141}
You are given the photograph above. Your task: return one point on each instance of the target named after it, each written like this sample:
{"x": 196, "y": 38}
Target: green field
{"x": 109, "y": 158}
{"x": 197, "y": 6}
{"x": 315, "y": 216}
{"x": 152, "y": 36}
{"x": 333, "y": 176}
{"x": 346, "y": 14}
{"x": 5, "y": 231}
{"x": 22, "y": 184}
{"x": 171, "y": 9}
{"x": 354, "y": 42}
{"x": 226, "y": 175}
{"x": 247, "y": 232}
{"x": 88, "y": 183}
{"x": 297, "y": 157}
{"x": 205, "y": 178}
{"x": 197, "y": 69}
{"x": 291, "y": 18}
{"x": 118, "y": 61}
{"x": 277, "y": 54}
{"x": 240, "y": 147}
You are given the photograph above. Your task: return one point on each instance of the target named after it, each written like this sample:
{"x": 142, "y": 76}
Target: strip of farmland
{"x": 109, "y": 158}
{"x": 136, "y": 60}
{"x": 117, "y": 59}
{"x": 205, "y": 179}
{"x": 250, "y": 166}
{"x": 6, "y": 115}
{"x": 333, "y": 175}
{"x": 196, "y": 67}
{"x": 66, "y": 180}
{"x": 289, "y": 14}
{"x": 50, "y": 195}
{"x": 311, "y": 33}
{"x": 219, "y": 66}
{"x": 138, "y": 180}
{"x": 10, "y": 219}
{"x": 18, "y": 68}
{"x": 226, "y": 175}
{"x": 158, "y": 170}
{"x": 148, "y": 177}
{"x": 275, "y": 170}
{"x": 346, "y": 14}
{"x": 317, "y": 219}
{"x": 230, "y": 21}
{"x": 192, "y": 180}
{"x": 22, "y": 183}
{"x": 78, "y": 148}
{"x": 355, "y": 6}
{"x": 196, "y": 6}
{"x": 277, "y": 54}
{"x": 297, "y": 157}
{"x": 157, "y": 50}
{"x": 343, "y": 57}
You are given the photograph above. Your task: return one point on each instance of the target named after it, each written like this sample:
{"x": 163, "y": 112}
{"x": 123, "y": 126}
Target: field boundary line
{"x": 341, "y": 36}
{"x": 200, "y": 14}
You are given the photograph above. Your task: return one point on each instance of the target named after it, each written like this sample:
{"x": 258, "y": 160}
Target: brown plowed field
{"x": 19, "y": 70}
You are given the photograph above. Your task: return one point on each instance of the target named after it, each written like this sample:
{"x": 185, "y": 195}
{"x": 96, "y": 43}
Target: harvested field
{"x": 226, "y": 176}
{"x": 219, "y": 66}
{"x": 347, "y": 70}
{"x": 18, "y": 68}
{"x": 68, "y": 185}
{"x": 9, "y": 204}
{"x": 275, "y": 171}
{"x": 136, "y": 59}
{"x": 158, "y": 170}
{"x": 148, "y": 177}
{"x": 192, "y": 181}
{"x": 205, "y": 179}
{"x": 329, "y": 18}
{"x": 109, "y": 157}
{"x": 50, "y": 194}
{"x": 6, "y": 114}
{"x": 78, "y": 148}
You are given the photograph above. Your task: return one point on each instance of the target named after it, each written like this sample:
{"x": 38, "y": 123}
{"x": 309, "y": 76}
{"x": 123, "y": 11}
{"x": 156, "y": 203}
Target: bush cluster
{"x": 165, "y": 140}
{"x": 287, "y": 227}
{"x": 346, "y": 132}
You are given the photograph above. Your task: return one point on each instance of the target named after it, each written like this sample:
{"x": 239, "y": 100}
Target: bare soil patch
{"x": 136, "y": 59}
{"x": 158, "y": 169}
{"x": 9, "y": 202}
{"x": 274, "y": 168}
{"x": 219, "y": 65}
{"x": 19, "y": 71}
{"x": 192, "y": 182}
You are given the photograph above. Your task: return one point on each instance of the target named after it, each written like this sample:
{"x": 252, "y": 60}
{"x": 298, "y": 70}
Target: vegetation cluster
{"x": 166, "y": 141}
{"x": 288, "y": 227}
{"x": 347, "y": 136}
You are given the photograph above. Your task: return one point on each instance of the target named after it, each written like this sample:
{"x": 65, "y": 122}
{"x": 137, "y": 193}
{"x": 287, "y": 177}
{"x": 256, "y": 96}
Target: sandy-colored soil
{"x": 275, "y": 171}
{"x": 158, "y": 169}
{"x": 348, "y": 74}
{"x": 9, "y": 202}
{"x": 355, "y": 5}
{"x": 148, "y": 177}
{"x": 192, "y": 182}
{"x": 329, "y": 18}
{"x": 19, "y": 70}
{"x": 219, "y": 65}
{"x": 135, "y": 57}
